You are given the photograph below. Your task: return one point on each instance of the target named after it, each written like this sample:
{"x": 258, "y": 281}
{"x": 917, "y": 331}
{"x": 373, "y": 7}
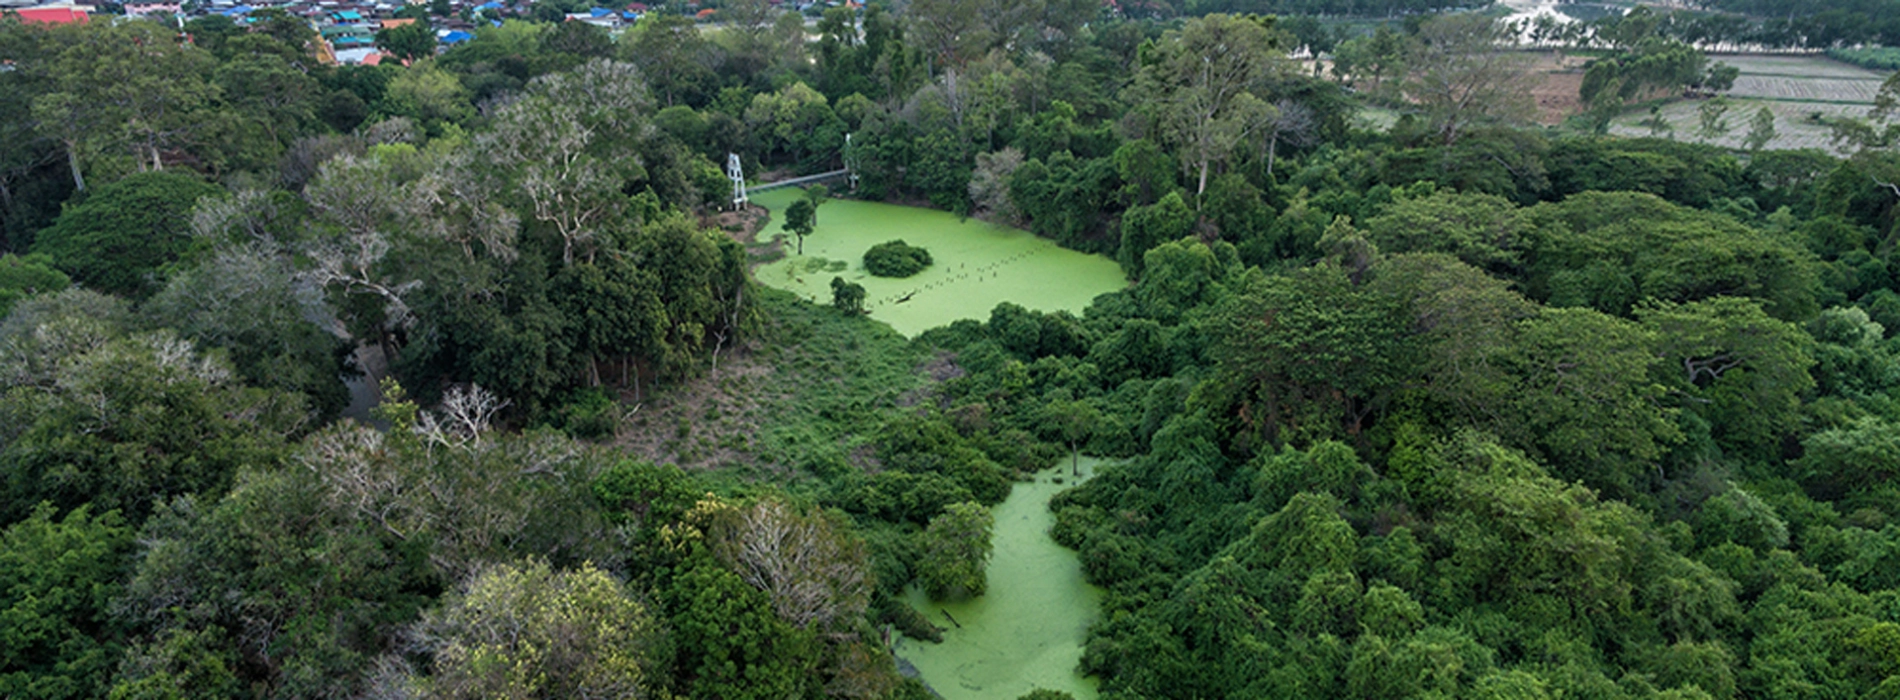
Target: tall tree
{"x": 531, "y": 631}
{"x": 800, "y": 219}
{"x": 1206, "y": 84}
{"x": 127, "y": 94}
{"x": 956, "y": 552}
{"x": 1462, "y": 73}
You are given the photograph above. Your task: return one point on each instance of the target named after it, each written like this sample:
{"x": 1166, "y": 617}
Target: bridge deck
{"x": 761, "y": 187}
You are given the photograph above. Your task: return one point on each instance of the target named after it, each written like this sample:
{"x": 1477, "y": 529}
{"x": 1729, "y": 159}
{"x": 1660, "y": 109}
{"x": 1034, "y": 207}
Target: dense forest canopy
{"x": 1460, "y": 407}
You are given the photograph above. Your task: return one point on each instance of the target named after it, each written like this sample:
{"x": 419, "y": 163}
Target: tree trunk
{"x": 1075, "y": 461}
{"x": 72, "y": 163}
{"x": 1272, "y": 143}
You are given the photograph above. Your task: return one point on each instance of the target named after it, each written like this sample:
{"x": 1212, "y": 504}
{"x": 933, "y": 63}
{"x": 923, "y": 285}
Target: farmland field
{"x": 1803, "y": 92}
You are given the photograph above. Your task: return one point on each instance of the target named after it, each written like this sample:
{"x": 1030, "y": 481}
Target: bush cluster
{"x": 896, "y": 259}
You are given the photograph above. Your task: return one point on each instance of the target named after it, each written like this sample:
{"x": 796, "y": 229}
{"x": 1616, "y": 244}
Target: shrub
{"x": 895, "y": 259}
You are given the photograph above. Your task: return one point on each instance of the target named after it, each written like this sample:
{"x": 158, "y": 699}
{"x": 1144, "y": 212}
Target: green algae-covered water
{"x": 976, "y": 265}
{"x": 1027, "y": 631}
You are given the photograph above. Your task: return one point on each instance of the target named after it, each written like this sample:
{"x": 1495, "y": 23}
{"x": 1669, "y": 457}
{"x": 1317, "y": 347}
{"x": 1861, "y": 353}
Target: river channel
{"x": 1027, "y": 632}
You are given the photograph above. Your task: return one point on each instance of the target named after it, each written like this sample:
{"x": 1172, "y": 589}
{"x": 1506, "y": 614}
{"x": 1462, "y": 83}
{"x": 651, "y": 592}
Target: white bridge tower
{"x": 736, "y": 173}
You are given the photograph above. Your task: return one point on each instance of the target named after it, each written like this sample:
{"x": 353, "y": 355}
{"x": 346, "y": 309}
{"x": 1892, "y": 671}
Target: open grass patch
{"x": 794, "y": 404}
{"x": 975, "y": 265}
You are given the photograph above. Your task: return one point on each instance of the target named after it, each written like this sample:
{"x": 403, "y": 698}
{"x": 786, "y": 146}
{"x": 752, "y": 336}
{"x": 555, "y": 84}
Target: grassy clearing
{"x": 977, "y": 265}
{"x": 800, "y": 401}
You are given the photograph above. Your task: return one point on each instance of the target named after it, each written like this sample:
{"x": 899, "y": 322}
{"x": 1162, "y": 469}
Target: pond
{"x": 976, "y": 265}
{"x": 1027, "y": 632}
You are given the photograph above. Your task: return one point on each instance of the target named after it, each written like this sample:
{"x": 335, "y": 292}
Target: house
{"x": 146, "y": 9}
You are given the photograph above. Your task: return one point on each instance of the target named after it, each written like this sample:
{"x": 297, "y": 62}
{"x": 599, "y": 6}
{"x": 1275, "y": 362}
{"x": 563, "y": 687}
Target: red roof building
{"x": 55, "y": 14}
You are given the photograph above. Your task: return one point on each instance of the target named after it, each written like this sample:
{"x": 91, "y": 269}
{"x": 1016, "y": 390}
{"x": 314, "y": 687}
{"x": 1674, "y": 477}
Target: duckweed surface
{"x": 977, "y": 265}
{"x": 1028, "y": 631}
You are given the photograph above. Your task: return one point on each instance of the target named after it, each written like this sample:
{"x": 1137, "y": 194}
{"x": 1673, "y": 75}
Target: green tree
{"x": 250, "y": 303}
{"x": 531, "y": 631}
{"x": 1741, "y": 370}
{"x": 121, "y": 422}
{"x": 1712, "y": 118}
{"x": 1584, "y": 397}
{"x": 1205, "y": 84}
{"x": 1073, "y": 422}
{"x": 817, "y": 195}
{"x": 679, "y": 62}
{"x": 57, "y": 581}
{"x": 119, "y": 238}
{"x": 26, "y": 276}
{"x": 1485, "y": 231}
{"x": 1144, "y": 227}
{"x": 799, "y": 220}
{"x": 1761, "y": 130}
{"x": 1462, "y": 73}
{"x": 410, "y": 42}
{"x": 847, "y": 296}
{"x": 427, "y": 94}
{"x": 956, "y": 552}
{"x": 1305, "y": 356}
{"x": 124, "y": 95}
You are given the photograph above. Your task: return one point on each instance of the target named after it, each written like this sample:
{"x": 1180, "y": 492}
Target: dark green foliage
{"x": 1145, "y": 227}
{"x": 895, "y": 259}
{"x": 847, "y": 296}
{"x": 121, "y": 235}
{"x": 125, "y": 421}
{"x": 409, "y": 42}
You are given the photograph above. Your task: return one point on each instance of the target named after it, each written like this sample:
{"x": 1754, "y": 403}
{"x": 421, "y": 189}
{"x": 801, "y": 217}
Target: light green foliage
{"x": 1737, "y": 516}
{"x": 58, "y": 577}
{"x": 1199, "y": 84}
{"x": 429, "y": 95}
{"x": 1761, "y": 130}
{"x": 332, "y": 552}
{"x": 1852, "y": 457}
{"x": 118, "y": 239}
{"x": 530, "y": 631}
{"x": 956, "y": 550}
